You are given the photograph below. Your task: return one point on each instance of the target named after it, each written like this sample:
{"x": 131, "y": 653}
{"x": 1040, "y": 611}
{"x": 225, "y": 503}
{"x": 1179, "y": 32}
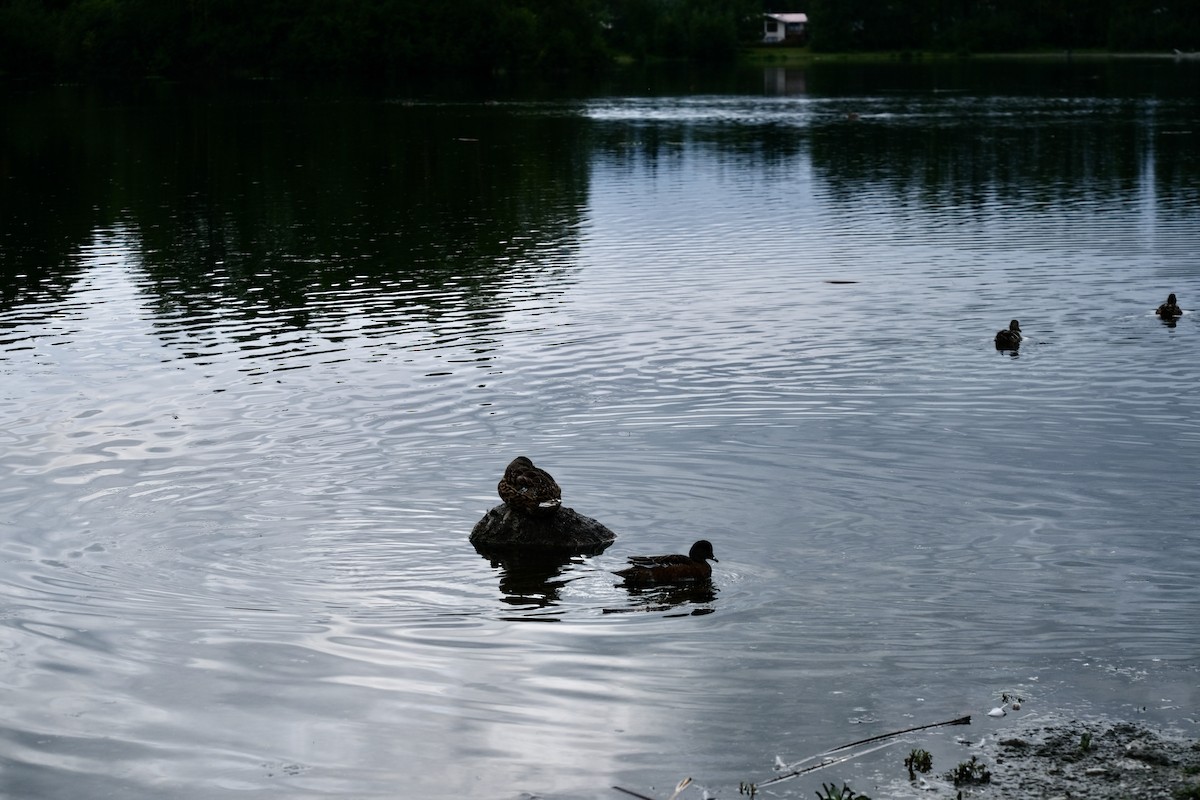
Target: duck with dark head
{"x": 655, "y": 570}
{"x": 526, "y": 488}
{"x": 1169, "y": 309}
{"x": 1010, "y": 338}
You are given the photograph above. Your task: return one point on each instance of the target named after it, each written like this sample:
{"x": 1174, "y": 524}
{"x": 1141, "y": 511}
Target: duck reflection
{"x": 531, "y": 579}
{"x": 668, "y": 597}
{"x": 534, "y": 578}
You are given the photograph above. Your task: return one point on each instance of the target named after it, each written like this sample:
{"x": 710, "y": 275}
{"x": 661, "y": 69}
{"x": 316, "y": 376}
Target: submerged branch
{"x": 838, "y": 760}
{"x": 829, "y": 762}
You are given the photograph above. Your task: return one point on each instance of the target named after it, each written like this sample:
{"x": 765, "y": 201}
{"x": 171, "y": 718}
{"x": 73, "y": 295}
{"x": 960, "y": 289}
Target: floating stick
{"x": 960, "y": 721}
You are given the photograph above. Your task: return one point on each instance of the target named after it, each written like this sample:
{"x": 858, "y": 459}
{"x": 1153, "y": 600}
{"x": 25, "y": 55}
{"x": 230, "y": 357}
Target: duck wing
{"x": 526, "y": 486}
{"x": 660, "y": 561}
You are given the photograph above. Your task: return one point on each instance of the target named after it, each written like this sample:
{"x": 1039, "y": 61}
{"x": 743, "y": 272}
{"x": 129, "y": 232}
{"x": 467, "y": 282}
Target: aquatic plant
{"x": 844, "y": 793}
{"x": 918, "y": 761}
{"x": 1085, "y": 742}
{"x": 970, "y": 772}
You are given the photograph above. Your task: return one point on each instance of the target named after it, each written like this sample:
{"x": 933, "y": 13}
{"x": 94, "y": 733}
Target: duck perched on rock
{"x": 1169, "y": 309}
{"x": 526, "y": 488}
{"x": 1009, "y": 339}
{"x": 651, "y": 570}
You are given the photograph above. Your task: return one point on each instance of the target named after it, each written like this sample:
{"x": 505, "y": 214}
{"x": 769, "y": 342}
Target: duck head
{"x": 702, "y": 550}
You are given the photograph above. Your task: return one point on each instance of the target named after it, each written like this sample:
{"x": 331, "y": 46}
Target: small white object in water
{"x": 998, "y": 711}
{"x": 679, "y": 787}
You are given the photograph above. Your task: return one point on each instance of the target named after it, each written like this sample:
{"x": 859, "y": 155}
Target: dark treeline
{"x": 293, "y": 37}
{"x": 1005, "y": 25}
{"x": 358, "y": 37}
{"x": 381, "y": 38}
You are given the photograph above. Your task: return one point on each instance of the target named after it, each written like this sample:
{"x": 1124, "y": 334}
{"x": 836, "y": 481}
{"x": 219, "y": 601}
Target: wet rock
{"x": 1150, "y": 755}
{"x": 505, "y": 530}
{"x": 1014, "y": 742}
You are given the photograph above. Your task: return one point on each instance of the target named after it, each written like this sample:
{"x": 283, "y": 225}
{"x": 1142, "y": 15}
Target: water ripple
{"x": 233, "y": 526}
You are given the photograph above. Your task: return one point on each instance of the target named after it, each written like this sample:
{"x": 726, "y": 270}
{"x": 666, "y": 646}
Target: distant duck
{"x": 1009, "y": 339}
{"x": 650, "y": 570}
{"x": 527, "y": 488}
{"x": 1170, "y": 308}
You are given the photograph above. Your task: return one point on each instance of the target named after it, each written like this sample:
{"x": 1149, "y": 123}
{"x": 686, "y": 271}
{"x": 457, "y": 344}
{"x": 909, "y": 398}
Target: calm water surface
{"x": 265, "y": 354}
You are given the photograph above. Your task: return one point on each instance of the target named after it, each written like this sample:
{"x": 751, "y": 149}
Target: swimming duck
{"x": 1170, "y": 308}
{"x": 649, "y": 570}
{"x": 1009, "y": 339}
{"x": 527, "y": 488}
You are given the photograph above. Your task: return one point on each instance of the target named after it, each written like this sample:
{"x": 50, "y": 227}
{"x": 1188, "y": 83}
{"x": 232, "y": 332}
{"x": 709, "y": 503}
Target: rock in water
{"x": 505, "y": 530}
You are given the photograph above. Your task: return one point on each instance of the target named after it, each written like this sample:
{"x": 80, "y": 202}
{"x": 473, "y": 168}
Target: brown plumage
{"x": 1009, "y": 339}
{"x": 527, "y": 488}
{"x": 1169, "y": 309}
{"x": 649, "y": 570}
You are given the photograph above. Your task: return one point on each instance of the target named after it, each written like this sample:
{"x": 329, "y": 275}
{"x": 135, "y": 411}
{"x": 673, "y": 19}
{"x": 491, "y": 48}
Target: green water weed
{"x": 970, "y": 772}
{"x": 831, "y": 792}
{"x": 918, "y": 761}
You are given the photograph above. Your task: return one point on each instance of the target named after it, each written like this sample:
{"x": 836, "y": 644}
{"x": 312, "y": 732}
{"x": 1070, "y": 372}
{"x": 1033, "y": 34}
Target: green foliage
{"x": 918, "y": 761}
{"x": 219, "y": 38}
{"x": 831, "y": 792}
{"x": 26, "y": 37}
{"x": 703, "y": 30}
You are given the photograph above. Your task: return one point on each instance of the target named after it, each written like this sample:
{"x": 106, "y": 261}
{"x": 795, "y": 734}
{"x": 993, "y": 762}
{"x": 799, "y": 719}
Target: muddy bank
{"x": 1064, "y": 758}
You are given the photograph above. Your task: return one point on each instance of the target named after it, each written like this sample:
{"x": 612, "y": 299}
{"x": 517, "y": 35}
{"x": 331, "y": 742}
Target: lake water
{"x": 264, "y": 354}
